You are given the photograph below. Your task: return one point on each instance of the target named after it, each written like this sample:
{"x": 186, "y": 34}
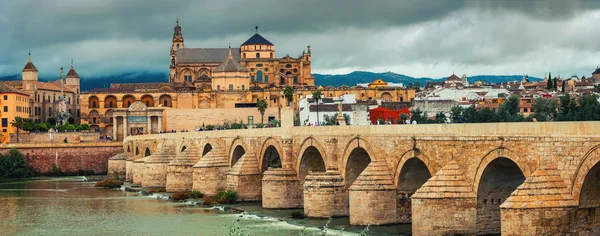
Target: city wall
{"x": 59, "y": 137}
{"x": 179, "y": 119}
{"x": 85, "y": 158}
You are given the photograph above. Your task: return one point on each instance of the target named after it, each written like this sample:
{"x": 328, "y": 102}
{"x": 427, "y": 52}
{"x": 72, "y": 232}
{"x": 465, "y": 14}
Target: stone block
{"x": 281, "y": 189}
{"x": 325, "y": 195}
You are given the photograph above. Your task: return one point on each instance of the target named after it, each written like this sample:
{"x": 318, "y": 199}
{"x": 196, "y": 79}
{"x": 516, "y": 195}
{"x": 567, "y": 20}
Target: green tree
{"x": 18, "y": 123}
{"x": 567, "y": 108}
{"x": 419, "y": 116}
{"x": 51, "y": 121}
{"x": 509, "y": 110}
{"x": 555, "y": 84}
{"x": 317, "y": 96}
{"x": 440, "y": 118}
{"x": 486, "y": 115}
{"x": 456, "y": 114}
{"x": 588, "y": 108}
{"x": 261, "y": 105}
{"x": 417, "y": 87}
{"x": 545, "y": 109}
{"x": 288, "y": 93}
{"x": 410, "y": 85}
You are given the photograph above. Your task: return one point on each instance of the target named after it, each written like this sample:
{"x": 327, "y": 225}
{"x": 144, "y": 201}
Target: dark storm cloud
{"x": 416, "y": 37}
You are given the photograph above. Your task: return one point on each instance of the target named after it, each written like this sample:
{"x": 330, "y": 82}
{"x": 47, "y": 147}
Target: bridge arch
{"x": 583, "y": 180}
{"x": 147, "y": 152}
{"x": 207, "y": 148}
{"x": 497, "y": 176}
{"x": 271, "y": 151}
{"x": 406, "y": 161}
{"x": 358, "y": 153}
{"x": 311, "y": 157}
{"x": 236, "y": 150}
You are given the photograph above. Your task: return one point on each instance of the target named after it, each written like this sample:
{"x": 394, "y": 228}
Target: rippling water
{"x": 70, "y": 206}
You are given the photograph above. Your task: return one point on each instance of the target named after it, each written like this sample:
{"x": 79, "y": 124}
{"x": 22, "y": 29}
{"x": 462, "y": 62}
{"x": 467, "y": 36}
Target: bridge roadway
{"x": 509, "y": 178}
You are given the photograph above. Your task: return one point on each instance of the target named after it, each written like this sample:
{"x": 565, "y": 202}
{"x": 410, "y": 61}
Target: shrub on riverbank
{"x": 109, "y": 183}
{"x": 226, "y": 197}
{"x": 179, "y": 196}
{"x": 13, "y": 165}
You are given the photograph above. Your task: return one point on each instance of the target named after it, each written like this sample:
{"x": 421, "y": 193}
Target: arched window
{"x": 244, "y": 55}
{"x": 259, "y": 76}
{"x": 271, "y": 55}
{"x": 266, "y": 78}
{"x": 230, "y": 87}
{"x": 218, "y": 87}
{"x": 243, "y": 87}
{"x": 177, "y": 46}
{"x": 165, "y": 103}
{"x": 257, "y": 55}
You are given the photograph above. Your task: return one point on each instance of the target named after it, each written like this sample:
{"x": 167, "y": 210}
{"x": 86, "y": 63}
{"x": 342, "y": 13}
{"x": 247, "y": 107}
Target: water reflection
{"x": 68, "y": 206}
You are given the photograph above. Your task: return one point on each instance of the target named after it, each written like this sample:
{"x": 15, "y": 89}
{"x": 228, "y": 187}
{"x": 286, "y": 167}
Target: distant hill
{"x": 366, "y": 77}
{"x": 350, "y": 79}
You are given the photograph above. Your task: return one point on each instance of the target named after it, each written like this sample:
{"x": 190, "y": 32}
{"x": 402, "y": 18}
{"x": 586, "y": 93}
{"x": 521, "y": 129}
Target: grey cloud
{"x": 421, "y": 38}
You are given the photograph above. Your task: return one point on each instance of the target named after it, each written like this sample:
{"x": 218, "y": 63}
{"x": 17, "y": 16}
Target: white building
{"x": 329, "y": 106}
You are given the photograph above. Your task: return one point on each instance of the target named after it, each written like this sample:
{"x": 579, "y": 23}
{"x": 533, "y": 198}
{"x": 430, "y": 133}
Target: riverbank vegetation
{"x": 180, "y": 196}
{"x": 13, "y": 165}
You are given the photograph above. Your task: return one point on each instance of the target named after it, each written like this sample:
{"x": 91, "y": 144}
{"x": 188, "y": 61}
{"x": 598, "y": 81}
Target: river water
{"x": 72, "y": 206}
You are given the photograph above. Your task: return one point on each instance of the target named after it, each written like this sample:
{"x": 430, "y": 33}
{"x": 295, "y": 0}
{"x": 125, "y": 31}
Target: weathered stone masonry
{"x": 444, "y": 178}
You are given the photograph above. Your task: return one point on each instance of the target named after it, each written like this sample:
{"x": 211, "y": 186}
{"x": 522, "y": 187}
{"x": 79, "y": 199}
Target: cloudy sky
{"x": 419, "y": 38}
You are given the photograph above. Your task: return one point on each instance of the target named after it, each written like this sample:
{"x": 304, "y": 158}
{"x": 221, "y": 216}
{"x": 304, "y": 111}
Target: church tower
{"x": 176, "y": 45}
{"x": 30, "y": 73}
{"x": 73, "y": 80}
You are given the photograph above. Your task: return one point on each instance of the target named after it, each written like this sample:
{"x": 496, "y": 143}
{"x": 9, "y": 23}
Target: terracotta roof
{"x": 52, "y": 86}
{"x": 449, "y": 182}
{"x": 545, "y": 184}
{"x": 6, "y": 88}
{"x": 257, "y": 39}
{"x": 205, "y": 55}
{"x": 230, "y": 65}
{"x": 29, "y": 66}
{"x": 453, "y": 78}
{"x": 72, "y": 73}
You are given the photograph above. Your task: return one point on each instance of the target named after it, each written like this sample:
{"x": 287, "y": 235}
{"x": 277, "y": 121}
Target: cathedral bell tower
{"x": 177, "y": 44}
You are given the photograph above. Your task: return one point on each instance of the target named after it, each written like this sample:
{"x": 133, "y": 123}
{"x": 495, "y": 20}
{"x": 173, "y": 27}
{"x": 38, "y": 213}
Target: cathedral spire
{"x": 229, "y": 56}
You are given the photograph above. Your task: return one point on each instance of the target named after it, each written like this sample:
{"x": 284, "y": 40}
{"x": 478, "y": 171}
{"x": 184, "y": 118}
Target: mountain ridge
{"x": 350, "y": 79}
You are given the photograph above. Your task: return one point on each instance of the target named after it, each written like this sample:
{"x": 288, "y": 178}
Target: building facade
{"x": 14, "y": 103}
{"x": 44, "y": 96}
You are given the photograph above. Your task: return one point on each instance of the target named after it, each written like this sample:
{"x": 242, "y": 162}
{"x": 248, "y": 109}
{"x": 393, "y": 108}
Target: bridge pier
{"x": 155, "y": 171}
{"x": 180, "y": 170}
{"x": 128, "y": 170}
{"x": 210, "y": 173}
{"x": 137, "y": 172}
{"x": 244, "y": 178}
{"x": 281, "y": 189}
{"x": 445, "y": 204}
{"x": 373, "y": 196}
{"x": 116, "y": 167}
{"x": 542, "y": 205}
{"x": 325, "y": 195}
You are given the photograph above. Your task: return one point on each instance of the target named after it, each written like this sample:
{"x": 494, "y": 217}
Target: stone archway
{"x": 357, "y": 161}
{"x": 310, "y": 143}
{"x": 237, "y": 153}
{"x": 270, "y": 159}
{"x": 207, "y": 148}
{"x": 311, "y": 160}
{"x": 412, "y": 172}
{"x": 498, "y": 180}
{"x": 270, "y": 155}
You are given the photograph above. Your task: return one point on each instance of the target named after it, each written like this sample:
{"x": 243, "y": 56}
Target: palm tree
{"x": 261, "y": 104}
{"x": 18, "y": 123}
{"x": 288, "y": 92}
{"x": 317, "y": 96}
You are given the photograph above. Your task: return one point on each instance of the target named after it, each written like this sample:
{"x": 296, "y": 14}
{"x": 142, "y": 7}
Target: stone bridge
{"x": 509, "y": 178}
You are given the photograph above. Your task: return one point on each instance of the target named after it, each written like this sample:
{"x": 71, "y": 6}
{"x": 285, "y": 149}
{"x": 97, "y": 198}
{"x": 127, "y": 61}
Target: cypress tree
{"x": 549, "y": 85}
{"x": 556, "y": 83}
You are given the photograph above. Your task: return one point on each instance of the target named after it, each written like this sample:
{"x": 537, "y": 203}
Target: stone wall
{"x": 179, "y": 119}
{"x": 84, "y": 158}
{"x": 59, "y": 137}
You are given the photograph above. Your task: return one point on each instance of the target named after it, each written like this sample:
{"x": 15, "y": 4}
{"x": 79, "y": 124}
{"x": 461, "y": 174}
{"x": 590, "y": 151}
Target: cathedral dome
{"x": 257, "y": 39}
